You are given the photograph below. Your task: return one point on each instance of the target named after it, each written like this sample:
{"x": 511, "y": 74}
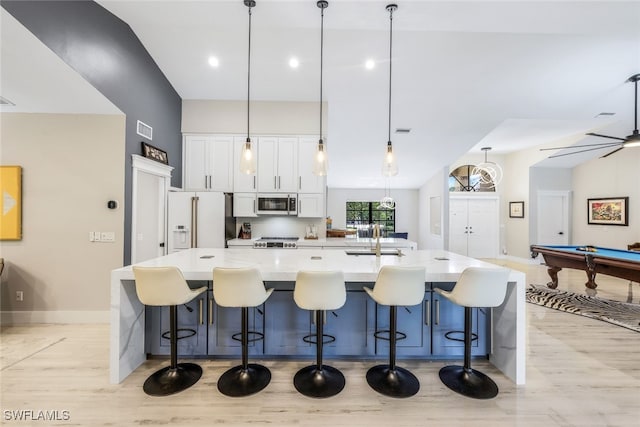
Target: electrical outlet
{"x": 19, "y": 296}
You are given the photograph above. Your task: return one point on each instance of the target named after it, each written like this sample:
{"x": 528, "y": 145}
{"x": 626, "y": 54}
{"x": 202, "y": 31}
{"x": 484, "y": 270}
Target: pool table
{"x": 591, "y": 259}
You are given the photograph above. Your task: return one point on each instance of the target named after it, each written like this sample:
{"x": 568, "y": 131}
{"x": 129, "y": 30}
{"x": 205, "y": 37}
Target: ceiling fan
{"x": 632, "y": 140}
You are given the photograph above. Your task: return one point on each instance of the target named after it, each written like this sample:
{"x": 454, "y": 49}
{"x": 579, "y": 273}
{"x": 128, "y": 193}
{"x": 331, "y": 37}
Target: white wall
{"x": 267, "y": 117}
{"x": 433, "y": 223}
{"x": 72, "y": 165}
{"x": 406, "y": 206}
{"x": 613, "y": 176}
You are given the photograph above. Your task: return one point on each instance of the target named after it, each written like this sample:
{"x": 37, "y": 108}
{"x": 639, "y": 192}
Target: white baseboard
{"x": 26, "y": 317}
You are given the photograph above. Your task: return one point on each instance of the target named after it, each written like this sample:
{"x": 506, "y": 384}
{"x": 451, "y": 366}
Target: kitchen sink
{"x": 383, "y": 252}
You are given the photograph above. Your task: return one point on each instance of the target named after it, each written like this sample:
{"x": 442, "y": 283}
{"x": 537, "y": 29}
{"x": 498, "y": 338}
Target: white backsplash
{"x": 281, "y": 226}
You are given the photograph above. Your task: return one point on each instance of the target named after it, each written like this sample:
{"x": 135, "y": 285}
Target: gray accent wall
{"x": 107, "y": 53}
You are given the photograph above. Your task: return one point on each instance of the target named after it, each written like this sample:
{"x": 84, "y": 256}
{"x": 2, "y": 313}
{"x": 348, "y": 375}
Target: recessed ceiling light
{"x": 294, "y": 63}
{"x": 214, "y": 62}
{"x": 370, "y": 64}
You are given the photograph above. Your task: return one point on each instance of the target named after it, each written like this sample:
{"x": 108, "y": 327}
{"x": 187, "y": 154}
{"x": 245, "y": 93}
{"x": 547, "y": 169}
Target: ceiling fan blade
{"x": 605, "y": 136}
{"x": 614, "y": 151}
{"x": 579, "y": 151}
{"x": 604, "y": 145}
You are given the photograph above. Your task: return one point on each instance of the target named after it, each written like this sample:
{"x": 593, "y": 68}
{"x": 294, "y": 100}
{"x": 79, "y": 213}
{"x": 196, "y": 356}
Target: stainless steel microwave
{"x": 277, "y": 204}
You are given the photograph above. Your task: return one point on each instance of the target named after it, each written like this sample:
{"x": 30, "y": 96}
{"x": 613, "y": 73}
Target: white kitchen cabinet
{"x": 208, "y": 163}
{"x": 243, "y": 182}
{"x": 244, "y": 204}
{"x": 474, "y": 226}
{"x": 307, "y": 181}
{"x": 278, "y": 164}
{"x": 310, "y": 205}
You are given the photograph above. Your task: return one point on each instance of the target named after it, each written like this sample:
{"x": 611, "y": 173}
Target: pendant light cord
{"x": 249, "y": 74}
{"x": 390, "y": 52}
{"x": 321, "y": 56}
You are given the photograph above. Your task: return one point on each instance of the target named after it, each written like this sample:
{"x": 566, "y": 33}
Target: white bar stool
{"x": 162, "y": 286}
{"x": 396, "y": 286}
{"x": 476, "y": 287}
{"x": 241, "y": 287}
{"x": 319, "y": 291}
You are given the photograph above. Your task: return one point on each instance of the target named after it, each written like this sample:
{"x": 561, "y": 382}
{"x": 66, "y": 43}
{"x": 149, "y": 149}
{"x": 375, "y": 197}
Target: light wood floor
{"x": 580, "y": 372}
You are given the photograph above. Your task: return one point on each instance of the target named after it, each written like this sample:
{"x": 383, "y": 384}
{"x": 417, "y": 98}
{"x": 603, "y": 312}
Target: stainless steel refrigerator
{"x": 199, "y": 220}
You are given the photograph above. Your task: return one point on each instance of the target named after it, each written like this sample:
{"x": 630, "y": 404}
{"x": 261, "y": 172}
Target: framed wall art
{"x": 11, "y": 203}
{"x": 154, "y": 153}
{"x": 608, "y": 211}
{"x": 516, "y": 209}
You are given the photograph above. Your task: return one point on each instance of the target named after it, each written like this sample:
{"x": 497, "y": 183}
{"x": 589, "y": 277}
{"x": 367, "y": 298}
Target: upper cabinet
{"x": 242, "y": 182}
{"x": 278, "y": 164}
{"x": 307, "y": 181}
{"x": 208, "y": 163}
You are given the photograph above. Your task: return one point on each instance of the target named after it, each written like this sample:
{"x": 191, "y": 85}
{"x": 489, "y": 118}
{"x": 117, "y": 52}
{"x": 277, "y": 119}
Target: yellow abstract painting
{"x": 11, "y": 203}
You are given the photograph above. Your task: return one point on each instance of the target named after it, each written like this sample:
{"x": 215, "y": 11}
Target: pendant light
{"x": 320, "y": 155}
{"x": 390, "y": 164}
{"x": 489, "y": 174}
{"x": 247, "y": 157}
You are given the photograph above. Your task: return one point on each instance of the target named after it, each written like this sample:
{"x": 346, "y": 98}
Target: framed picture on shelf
{"x": 154, "y": 153}
{"x": 516, "y": 209}
{"x": 608, "y": 211}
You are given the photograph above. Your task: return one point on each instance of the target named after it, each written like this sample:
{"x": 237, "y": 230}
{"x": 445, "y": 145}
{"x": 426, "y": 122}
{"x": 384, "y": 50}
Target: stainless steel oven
{"x": 277, "y": 204}
{"x": 276, "y": 243}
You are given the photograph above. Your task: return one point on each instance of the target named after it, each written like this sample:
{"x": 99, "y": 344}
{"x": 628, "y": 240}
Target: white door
{"x": 149, "y": 217}
{"x": 483, "y": 228}
{"x": 195, "y": 167}
{"x": 307, "y": 181}
{"x": 288, "y": 165}
{"x": 458, "y": 226}
{"x": 242, "y": 182}
{"x": 220, "y": 163}
{"x": 553, "y": 218}
{"x": 473, "y": 226}
{"x": 267, "y": 165}
{"x": 210, "y": 217}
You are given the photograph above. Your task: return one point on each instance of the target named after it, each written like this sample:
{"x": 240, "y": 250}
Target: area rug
{"x": 619, "y": 313}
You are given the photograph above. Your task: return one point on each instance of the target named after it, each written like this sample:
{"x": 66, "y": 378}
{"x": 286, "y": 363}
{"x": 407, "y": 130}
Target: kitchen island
{"x": 280, "y": 266}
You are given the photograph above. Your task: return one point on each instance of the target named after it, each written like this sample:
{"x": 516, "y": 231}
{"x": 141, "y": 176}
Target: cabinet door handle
{"x": 427, "y": 312}
{"x": 254, "y": 182}
{"x": 278, "y": 182}
{"x": 254, "y": 205}
{"x": 200, "y": 301}
{"x": 299, "y": 206}
{"x": 437, "y": 322}
{"x": 211, "y": 312}
{"x": 205, "y": 181}
{"x": 299, "y": 183}
{"x": 275, "y": 182}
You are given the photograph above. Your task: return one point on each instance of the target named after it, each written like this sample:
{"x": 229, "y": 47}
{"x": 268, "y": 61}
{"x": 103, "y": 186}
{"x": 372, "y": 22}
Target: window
{"x": 463, "y": 178}
{"x": 363, "y": 215}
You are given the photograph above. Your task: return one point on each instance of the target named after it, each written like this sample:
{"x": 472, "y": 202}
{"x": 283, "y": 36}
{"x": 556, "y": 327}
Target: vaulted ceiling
{"x": 466, "y": 74}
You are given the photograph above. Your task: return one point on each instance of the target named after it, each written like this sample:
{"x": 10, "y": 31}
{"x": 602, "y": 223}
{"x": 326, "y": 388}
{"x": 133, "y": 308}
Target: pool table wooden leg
{"x": 553, "y": 273}
{"x": 591, "y": 280}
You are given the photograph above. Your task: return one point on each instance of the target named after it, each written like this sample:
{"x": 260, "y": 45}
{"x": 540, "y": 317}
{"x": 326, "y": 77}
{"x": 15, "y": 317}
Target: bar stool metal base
{"x": 313, "y": 382}
{"x": 468, "y": 382}
{"x": 238, "y": 381}
{"x": 170, "y": 380}
{"x": 396, "y": 382}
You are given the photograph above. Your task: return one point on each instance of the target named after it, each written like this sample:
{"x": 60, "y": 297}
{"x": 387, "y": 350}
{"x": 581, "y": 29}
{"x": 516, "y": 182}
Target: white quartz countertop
{"x": 283, "y": 264}
{"x": 385, "y": 242}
